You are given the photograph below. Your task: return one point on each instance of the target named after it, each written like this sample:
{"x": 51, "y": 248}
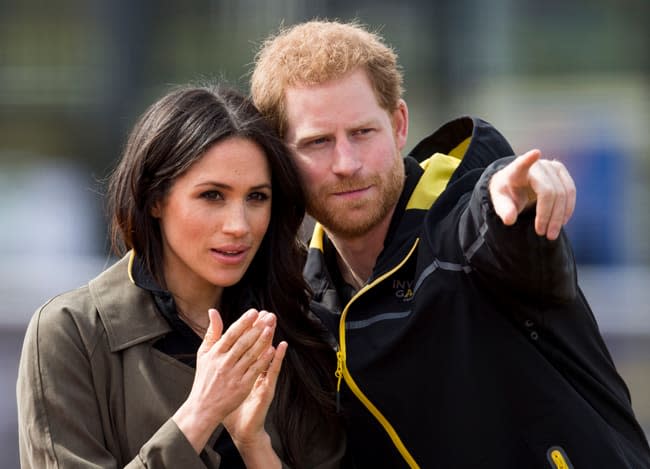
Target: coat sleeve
{"x": 515, "y": 256}
{"x": 61, "y": 422}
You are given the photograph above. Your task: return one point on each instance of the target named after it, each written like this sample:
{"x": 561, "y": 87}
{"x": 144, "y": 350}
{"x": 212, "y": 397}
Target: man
{"x": 462, "y": 337}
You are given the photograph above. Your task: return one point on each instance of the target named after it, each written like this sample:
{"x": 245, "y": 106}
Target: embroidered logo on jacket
{"x": 403, "y": 290}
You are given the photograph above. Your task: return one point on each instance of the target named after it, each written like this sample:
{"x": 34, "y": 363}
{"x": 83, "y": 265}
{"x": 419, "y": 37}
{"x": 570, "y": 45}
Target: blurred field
{"x": 10, "y": 344}
{"x": 631, "y": 354}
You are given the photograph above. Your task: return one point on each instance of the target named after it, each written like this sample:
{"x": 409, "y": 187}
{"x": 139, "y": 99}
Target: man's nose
{"x": 346, "y": 158}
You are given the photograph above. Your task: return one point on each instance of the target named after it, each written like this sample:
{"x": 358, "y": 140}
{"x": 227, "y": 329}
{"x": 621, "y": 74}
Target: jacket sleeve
{"x": 61, "y": 422}
{"x": 515, "y": 256}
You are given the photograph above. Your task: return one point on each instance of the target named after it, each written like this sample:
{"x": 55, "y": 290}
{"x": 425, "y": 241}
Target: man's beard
{"x": 340, "y": 221}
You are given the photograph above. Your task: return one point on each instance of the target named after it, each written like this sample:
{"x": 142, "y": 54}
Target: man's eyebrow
{"x": 310, "y": 134}
{"x": 314, "y": 132}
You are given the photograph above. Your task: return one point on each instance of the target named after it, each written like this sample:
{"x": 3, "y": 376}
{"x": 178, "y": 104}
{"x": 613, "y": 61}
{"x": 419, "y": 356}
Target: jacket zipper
{"x": 342, "y": 372}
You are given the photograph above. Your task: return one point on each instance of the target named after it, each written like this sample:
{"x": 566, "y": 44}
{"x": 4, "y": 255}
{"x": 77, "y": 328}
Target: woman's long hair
{"x": 171, "y": 136}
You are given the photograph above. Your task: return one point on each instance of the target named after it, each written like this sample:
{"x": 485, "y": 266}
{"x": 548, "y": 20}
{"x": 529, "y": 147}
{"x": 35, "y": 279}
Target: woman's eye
{"x": 259, "y": 196}
{"x": 211, "y": 195}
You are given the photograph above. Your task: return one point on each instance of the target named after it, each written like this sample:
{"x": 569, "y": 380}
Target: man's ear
{"x": 400, "y": 118}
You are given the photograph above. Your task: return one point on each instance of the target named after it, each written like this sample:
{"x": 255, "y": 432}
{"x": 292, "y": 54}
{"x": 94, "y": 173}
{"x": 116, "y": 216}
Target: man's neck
{"x": 357, "y": 256}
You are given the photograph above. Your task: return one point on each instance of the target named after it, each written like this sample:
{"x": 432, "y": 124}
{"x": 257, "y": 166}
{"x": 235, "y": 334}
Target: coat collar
{"x": 127, "y": 311}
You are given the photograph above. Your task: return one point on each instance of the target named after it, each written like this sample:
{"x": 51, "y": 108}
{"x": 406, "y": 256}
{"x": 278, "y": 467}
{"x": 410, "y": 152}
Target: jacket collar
{"x": 470, "y": 139}
{"x": 127, "y": 311}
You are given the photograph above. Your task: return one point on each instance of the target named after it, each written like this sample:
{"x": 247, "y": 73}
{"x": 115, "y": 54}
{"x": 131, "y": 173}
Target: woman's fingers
{"x": 213, "y": 334}
{"x": 253, "y": 343}
{"x": 244, "y": 341}
{"x": 266, "y": 370}
{"x": 275, "y": 366}
{"x": 236, "y": 330}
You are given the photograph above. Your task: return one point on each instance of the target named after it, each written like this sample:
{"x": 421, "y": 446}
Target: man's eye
{"x": 318, "y": 141}
{"x": 211, "y": 195}
{"x": 363, "y": 131}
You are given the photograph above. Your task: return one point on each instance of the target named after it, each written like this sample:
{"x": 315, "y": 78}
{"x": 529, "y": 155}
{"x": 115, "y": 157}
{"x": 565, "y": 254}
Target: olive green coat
{"x": 94, "y": 392}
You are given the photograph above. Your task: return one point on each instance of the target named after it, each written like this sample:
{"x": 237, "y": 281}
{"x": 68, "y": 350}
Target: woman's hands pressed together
{"x": 247, "y": 421}
{"x": 235, "y": 374}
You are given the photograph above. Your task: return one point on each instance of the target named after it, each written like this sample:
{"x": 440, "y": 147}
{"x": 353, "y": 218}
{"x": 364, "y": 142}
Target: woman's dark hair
{"x": 172, "y": 135}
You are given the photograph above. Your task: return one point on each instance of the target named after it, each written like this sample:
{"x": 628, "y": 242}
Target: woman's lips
{"x": 230, "y": 255}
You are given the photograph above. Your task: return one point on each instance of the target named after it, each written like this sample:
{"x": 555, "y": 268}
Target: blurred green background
{"x": 570, "y": 78}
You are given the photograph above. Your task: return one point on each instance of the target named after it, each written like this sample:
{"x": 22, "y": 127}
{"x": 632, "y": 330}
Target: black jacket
{"x": 471, "y": 346}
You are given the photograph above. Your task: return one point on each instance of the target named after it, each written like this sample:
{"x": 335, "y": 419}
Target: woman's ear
{"x": 156, "y": 210}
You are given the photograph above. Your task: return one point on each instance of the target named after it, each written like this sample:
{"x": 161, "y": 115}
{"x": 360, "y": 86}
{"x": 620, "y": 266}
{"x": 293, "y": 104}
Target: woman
{"x": 133, "y": 369}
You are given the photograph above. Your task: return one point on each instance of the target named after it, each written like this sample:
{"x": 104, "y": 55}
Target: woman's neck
{"x": 192, "y": 303}
{"x": 194, "y": 313}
